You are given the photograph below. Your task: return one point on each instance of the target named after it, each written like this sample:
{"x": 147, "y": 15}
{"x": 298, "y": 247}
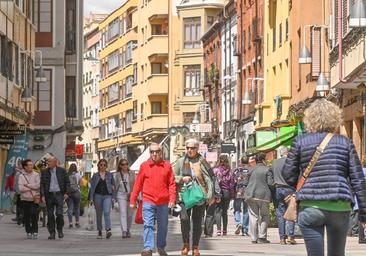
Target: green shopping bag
{"x": 192, "y": 195}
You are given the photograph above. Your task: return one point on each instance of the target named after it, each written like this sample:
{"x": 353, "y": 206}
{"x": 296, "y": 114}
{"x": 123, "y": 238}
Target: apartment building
{"x": 91, "y": 78}
{"x": 58, "y": 116}
{"x": 19, "y": 63}
{"x": 189, "y": 20}
{"x": 118, "y": 60}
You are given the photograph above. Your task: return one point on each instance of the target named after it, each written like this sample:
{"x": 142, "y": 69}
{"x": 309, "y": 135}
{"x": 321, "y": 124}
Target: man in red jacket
{"x": 156, "y": 181}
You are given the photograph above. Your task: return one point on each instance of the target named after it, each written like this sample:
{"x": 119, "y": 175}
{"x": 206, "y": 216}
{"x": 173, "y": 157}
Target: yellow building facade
{"x": 118, "y": 60}
{"x": 188, "y": 20}
{"x": 150, "y": 93}
{"x": 277, "y": 77}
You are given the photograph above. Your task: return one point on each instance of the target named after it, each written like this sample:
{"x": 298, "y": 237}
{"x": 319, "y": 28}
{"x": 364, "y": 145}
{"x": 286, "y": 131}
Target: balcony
{"x": 157, "y": 84}
{"x": 156, "y": 123}
{"x": 157, "y": 44}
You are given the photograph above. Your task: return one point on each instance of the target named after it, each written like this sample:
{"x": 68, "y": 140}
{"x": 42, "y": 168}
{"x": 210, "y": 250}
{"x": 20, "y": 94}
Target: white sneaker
{"x": 35, "y": 235}
{"x": 29, "y": 236}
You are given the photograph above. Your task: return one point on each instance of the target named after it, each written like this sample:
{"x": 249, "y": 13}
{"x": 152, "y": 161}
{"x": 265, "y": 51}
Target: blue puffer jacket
{"x": 337, "y": 170}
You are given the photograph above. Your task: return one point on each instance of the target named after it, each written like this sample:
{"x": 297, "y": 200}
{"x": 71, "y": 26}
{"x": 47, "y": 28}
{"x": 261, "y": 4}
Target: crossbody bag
{"x": 291, "y": 201}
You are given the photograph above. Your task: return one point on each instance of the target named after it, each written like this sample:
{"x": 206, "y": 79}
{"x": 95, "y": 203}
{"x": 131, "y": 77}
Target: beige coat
{"x": 29, "y": 184}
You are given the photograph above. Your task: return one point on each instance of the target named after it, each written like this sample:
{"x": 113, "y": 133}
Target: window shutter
{"x": 316, "y": 52}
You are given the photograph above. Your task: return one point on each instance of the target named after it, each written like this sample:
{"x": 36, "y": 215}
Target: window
{"x": 192, "y": 32}
{"x": 155, "y": 68}
{"x": 274, "y": 39}
{"x": 249, "y": 37}
{"x": 135, "y": 73}
{"x": 113, "y": 93}
{"x": 128, "y": 120}
{"x": 280, "y": 35}
{"x": 210, "y": 21}
{"x": 156, "y": 29}
{"x": 129, "y": 83}
{"x": 113, "y": 29}
{"x": 70, "y": 96}
{"x": 155, "y": 107}
{"x": 44, "y": 15}
{"x": 142, "y": 111}
{"x": 129, "y": 52}
{"x": 192, "y": 78}
{"x": 113, "y": 62}
{"x": 43, "y": 93}
{"x": 70, "y": 27}
{"x": 286, "y": 30}
{"x": 134, "y": 109}
{"x": 7, "y": 58}
{"x": 316, "y": 51}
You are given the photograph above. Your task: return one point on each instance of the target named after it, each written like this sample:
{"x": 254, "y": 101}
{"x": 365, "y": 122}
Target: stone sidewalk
{"x": 84, "y": 242}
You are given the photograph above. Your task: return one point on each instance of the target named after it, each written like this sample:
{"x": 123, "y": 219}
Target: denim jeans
{"x": 281, "y": 207}
{"x": 55, "y": 201}
{"x": 73, "y": 206}
{"x": 103, "y": 205}
{"x": 149, "y": 214}
{"x": 312, "y": 222}
{"x": 241, "y": 206}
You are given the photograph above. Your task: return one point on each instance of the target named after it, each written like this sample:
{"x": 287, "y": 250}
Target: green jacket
{"x": 206, "y": 177}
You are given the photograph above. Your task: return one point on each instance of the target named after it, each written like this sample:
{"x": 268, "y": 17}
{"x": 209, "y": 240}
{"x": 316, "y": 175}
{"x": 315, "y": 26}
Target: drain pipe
{"x": 340, "y": 41}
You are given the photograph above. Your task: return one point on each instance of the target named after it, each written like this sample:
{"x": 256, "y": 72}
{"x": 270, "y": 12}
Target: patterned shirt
{"x": 241, "y": 181}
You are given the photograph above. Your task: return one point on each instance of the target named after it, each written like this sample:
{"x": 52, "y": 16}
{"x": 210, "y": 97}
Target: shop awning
{"x": 144, "y": 157}
{"x": 270, "y": 140}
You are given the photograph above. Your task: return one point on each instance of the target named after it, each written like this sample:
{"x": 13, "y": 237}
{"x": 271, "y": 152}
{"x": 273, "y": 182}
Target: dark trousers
{"x": 73, "y": 206}
{"x": 30, "y": 217}
{"x": 361, "y": 231}
{"x": 185, "y": 222}
{"x": 221, "y": 213}
{"x": 210, "y": 219}
{"x": 19, "y": 209}
{"x": 55, "y": 201}
{"x": 312, "y": 222}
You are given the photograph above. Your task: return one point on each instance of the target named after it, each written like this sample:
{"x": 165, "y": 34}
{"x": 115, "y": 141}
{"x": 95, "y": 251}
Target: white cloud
{"x": 101, "y": 6}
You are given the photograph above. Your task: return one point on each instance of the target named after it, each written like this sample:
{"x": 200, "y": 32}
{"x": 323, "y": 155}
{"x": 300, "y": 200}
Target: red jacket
{"x": 10, "y": 183}
{"x": 157, "y": 183}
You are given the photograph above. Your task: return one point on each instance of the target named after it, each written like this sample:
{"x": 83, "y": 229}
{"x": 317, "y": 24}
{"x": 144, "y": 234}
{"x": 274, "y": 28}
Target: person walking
{"x": 226, "y": 182}
{"x": 282, "y": 189}
{"x": 188, "y": 168}
{"x": 18, "y": 202}
{"x": 54, "y": 186}
{"x": 74, "y": 196}
{"x": 325, "y": 198}
{"x": 361, "y": 229}
{"x": 258, "y": 197}
{"x": 29, "y": 187}
{"x": 155, "y": 180}
{"x": 102, "y": 186}
{"x": 241, "y": 214}
{"x": 125, "y": 180}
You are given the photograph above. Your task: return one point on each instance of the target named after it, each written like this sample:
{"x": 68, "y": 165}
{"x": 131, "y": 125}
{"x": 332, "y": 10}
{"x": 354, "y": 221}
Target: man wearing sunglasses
{"x": 156, "y": 182}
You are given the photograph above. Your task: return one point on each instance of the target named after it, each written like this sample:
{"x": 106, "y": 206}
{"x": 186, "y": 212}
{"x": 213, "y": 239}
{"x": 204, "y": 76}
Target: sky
{"x": 101, "y": 6}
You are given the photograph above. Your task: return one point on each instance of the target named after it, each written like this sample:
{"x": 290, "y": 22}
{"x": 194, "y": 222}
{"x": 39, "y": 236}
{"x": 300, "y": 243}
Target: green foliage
{"x": 272, "y": 217}
{"x": 84, "y": 191}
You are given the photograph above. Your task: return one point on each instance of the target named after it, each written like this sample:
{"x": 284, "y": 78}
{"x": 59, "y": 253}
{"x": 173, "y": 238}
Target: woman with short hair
{"x": 325, "y": 198}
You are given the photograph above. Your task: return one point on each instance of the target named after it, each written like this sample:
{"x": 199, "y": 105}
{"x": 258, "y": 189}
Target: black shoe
{"x": 71, "y": 226}
{"x": 99, "y": 235}
{"x": 263, "y": 241}
{"x": 15, "y": 219}
{"x": 362, "y": 241}
{"x": 60, "y": 234}
{"x": 254, "y": 242}
{"x": 77, "y": 225}
{"x": 108, "y": 234}
{"x": 52, "y": 236}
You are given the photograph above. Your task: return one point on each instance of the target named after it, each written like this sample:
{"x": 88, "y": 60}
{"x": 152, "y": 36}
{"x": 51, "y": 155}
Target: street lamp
{"x": 357, "y": 16}
{"x": 40, "y": 77}
{"x": 26, "y": 95}
{"x": 322, "y": 85}
{"x": 305, "y": 56}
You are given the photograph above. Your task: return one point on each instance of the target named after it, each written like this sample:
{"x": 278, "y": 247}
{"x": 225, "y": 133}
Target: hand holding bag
{"x": 192, "y": 195}
{"x": 290, "y": 200}
{"x": 138, "y": 217}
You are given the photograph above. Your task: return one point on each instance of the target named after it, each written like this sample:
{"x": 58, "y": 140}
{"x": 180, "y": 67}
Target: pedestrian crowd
{"x": 321, "y": 174}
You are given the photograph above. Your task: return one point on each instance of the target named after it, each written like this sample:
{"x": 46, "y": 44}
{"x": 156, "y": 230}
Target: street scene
{"x": 183, "y": 127}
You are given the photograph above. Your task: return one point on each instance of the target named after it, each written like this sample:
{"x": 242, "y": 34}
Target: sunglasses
{"x": 123, "y": 164}
{"x": 155, "y": 151}
{"x": 191, "y": 148}
{"x": 102, "y": 165}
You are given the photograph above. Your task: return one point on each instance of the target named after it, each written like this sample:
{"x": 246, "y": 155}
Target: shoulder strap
{"x": 313, "y": 160}
{"x": 123, "y": 181}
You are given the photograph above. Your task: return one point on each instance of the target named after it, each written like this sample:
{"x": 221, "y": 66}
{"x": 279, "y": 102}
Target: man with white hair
{"x": 282, "y": 189}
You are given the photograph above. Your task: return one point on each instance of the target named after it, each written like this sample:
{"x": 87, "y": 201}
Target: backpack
{"x": 74, "y": 186}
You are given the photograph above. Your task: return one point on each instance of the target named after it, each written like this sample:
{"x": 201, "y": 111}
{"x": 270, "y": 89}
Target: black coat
{"x": 335, "y": 176}
{"x": 62, "y": 178}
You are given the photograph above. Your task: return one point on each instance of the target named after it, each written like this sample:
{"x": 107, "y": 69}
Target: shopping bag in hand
{"x": 138, "y": 217}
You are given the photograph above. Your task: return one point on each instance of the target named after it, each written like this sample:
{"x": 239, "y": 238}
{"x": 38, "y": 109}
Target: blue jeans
{"x": 103, "y": 205}
{"x": 149, "y": 214}
{"x": 239, "y": 206}
{"x": 312, "y": 222}
{"x": 281, "y": 208}
{"x": 73, "y": 206}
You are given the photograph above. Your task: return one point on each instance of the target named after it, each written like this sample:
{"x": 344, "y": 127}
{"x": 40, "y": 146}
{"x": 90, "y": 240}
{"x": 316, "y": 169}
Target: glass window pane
{"x": 44, "y": 105}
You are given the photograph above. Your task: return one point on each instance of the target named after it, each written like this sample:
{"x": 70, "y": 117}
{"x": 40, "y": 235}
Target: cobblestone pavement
{"x": 84, "y": 242}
